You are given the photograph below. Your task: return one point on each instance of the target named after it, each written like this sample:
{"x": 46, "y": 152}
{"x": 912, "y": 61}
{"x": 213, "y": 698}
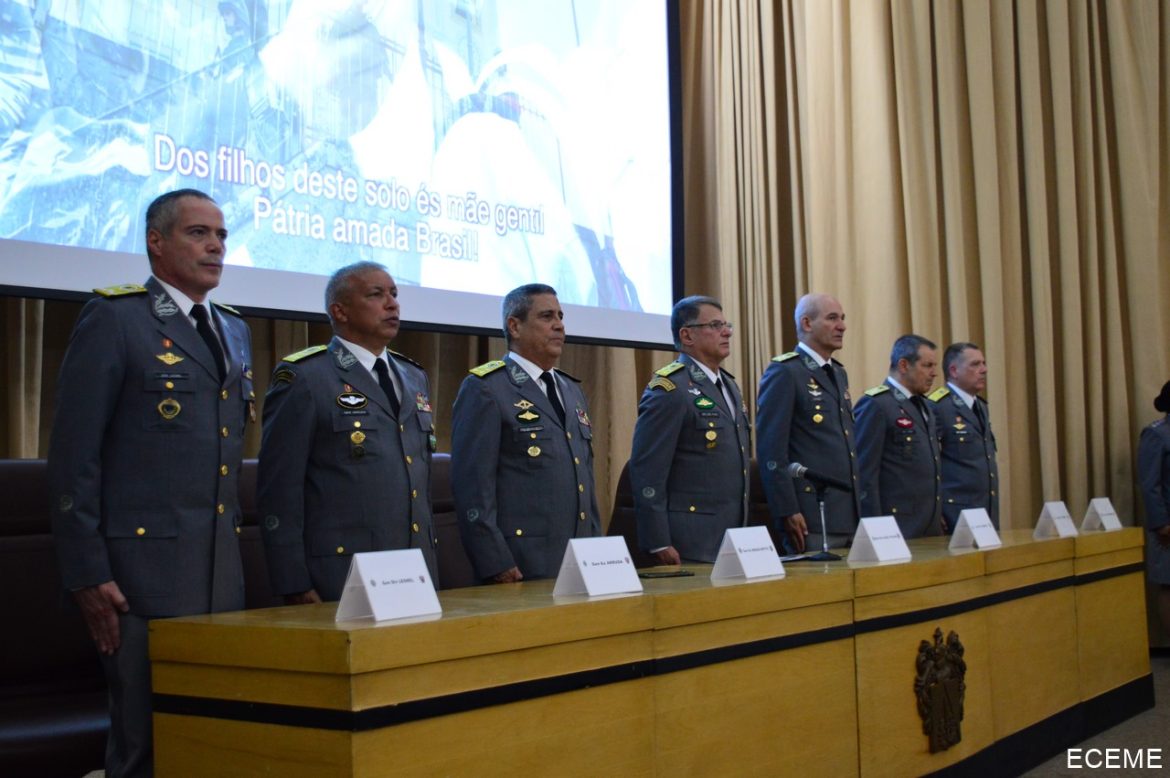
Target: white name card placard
{"x": 879, "y": 539}
{"x": 747, "y": 552}
{"x": 388, "y": 585}
{"x": 1054, "y": 522}
{"x": 596, "y": 566}
{"x": 1100, "y": 516}
{"x": 974, "y": 530}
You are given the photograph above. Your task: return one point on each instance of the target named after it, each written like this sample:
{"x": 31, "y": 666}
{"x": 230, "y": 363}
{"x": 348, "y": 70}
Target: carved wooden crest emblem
{"x": 940, "y": 687}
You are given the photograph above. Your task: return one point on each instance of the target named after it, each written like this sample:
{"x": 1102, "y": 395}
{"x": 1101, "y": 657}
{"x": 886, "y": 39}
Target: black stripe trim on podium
{"x": 415, "y": 710}
{"x": 987, "y": 600}
{"x": 1021, "y": 751}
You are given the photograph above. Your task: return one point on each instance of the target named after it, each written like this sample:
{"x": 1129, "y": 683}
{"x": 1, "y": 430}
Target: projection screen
{"x": 469, "y": 145}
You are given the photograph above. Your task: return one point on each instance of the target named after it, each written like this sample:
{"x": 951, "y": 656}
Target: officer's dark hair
{"x": 906, "y": 347}
{"x": 163, "y": 212}
{"x": 685, "y": 311}
{"x": 518, "y": 302}
{"x": 338, "y": 286}
{"x": 952, "y": 355}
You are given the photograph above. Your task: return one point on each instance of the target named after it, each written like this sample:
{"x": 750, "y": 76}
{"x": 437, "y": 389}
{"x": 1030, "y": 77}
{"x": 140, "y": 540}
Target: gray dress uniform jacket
{"x": 690, "y": 460}
{"x": 969, "y": 470}
{"x": 338, "y": 473}
{"x": 146, "y": 451}
{"x": 522, "y": 481}
{"x": 1154, "y": 475}
{"x": 900, "y": 466}
{"x": 803, "y": 417}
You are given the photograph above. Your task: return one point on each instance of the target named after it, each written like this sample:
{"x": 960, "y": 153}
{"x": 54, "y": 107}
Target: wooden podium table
{"x": 814, "y": 671}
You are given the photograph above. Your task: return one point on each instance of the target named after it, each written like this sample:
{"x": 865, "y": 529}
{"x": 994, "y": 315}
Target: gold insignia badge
{"x": 711, "y": 435}
{"x": 818, "y": 418}
{"x": 169, "y": 358}
{"x": 523, "y": 404}
{"x": 534, "y": 451}
{"x": 169, "y": 408}
{"x": 711, "y": 444}
{"x": 527, "y": 416}
{"x": 357, "y": 437}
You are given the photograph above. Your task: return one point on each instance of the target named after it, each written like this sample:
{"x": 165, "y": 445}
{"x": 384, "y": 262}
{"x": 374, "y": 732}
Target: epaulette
{"x": 121, "y": 291}
{"x": 405, "y": 358}
{"x": 487, "y": 367}
{"x": 673, "y": 367}
{"x": 876, "y": 390}
{"x": 1157, "y": 423}
{"x": 569, "y": 376}
{"x": 304, "y": 354}
{"x": 661, "y": 382}
{"x": 938, "y": 394}
{"x": 228, "y": 308}
{"x": 785, "y": 357}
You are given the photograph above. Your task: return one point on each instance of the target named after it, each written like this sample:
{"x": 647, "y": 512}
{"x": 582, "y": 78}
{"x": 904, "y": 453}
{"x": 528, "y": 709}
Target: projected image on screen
{"x": 469, "y": 145}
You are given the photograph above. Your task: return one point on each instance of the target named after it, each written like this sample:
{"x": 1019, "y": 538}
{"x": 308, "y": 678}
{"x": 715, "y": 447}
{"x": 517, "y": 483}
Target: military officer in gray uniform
{"x": 689, "y": 465}
{"x": 522, "y": 449}
{"x": 970, "y": 474}
{"x": 345, "y": 460}
{"x": 153, "y": 396}
{"x": 806, "y": 417}
{"x": 1153, "y": 465}
{"x": 897, "y": 444}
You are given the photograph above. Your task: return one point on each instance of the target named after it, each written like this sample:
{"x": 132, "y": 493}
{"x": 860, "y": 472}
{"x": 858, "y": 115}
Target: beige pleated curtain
{"x": 978, "y": 170}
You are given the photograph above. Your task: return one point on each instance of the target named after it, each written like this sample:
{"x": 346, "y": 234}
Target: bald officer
{"x": 522, "y": 449}
{"x": 970, "y": 473}
{"x": 345, "y": 462}
{"x": 153, "y": 396}
{"x": 806, "y": 417}
{"x": 897, "y": 444}
{"x": 689, "y": 466}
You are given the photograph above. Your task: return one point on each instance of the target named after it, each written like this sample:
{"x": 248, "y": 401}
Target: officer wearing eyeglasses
{"x": 689, "y": 465}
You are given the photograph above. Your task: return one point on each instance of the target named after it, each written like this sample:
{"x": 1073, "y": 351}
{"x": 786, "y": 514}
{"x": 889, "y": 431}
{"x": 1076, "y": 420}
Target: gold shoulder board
{"x": 121, "y": 290}
{"x": 784, "y": 357}
{"x": 405, "y": 358}
{"x": 229, "y": 309}
{"x": 938, "y": 394}
{"x": 877, "y": 390}
{"x": 487, "y": 367}
{"x": 304, "y": 353}
{"x": 673, "y": 367}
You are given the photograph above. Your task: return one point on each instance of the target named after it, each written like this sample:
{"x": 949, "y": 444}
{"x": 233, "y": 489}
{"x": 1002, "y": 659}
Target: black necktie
{"x": 387, "y": 385}
{"x": 980, "y": 415}
{"x": 723, "y": 396}
{"x": 203, "y": 326}
{"x": 551, "y": 388}
{"x": 832, "y": 374}
{"x": 920, "y": 404}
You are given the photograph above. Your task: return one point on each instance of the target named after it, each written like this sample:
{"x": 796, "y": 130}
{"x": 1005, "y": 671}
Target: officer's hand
{"x": 304, "y": 598}
{"x": 797, "y": 530}
{"x": 100, "y": 606}
{"x": 511, "y": 575}
{"x": 668, "y": 556}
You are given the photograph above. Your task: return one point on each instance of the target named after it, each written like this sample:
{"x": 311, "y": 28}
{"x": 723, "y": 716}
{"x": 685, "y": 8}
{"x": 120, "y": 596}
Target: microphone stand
{"x": 824, "y": 555}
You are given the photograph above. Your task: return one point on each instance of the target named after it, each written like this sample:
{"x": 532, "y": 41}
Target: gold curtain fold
{"x": 966, "y": 169}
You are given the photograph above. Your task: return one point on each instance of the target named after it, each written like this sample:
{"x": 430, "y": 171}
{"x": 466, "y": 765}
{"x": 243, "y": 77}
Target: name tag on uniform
{"x": 747, "y": 552}
{"x": 1100, "y": 516}
{"x": 1054, "y": 522}
{"x": 388, "y": 585}
{"x": 596, "y": 566}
